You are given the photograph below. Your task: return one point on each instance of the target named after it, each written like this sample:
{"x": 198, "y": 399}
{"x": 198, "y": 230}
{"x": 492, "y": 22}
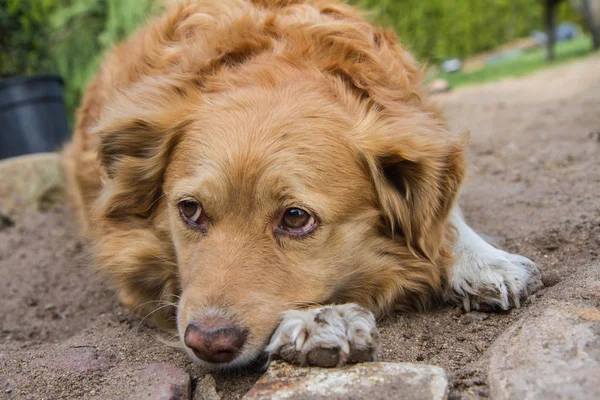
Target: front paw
{"x": 326, "y": 337}
{"x": 493, "y": 279}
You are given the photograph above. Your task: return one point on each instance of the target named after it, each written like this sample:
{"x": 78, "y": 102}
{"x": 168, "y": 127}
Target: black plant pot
{"x": 33, "y": 118}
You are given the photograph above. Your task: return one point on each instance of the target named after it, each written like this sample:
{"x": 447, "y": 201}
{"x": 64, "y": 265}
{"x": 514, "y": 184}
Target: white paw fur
{"x": 329, "y": 336}
{"x": 484, "y": 276}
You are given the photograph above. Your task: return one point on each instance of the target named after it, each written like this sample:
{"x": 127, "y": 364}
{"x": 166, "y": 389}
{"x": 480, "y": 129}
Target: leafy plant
{"x": 83, "y": 30}
{"x": 440, "y": 29}
{"x": 24, "y": 37}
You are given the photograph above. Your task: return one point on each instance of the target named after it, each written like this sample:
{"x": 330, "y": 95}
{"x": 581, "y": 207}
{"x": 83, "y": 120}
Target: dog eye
{"x": 297, "y": 221}
{"x": 191, "y": 212}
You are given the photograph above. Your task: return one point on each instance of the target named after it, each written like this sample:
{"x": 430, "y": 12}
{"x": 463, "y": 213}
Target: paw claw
{"x": 466, "y": 303}
{"x": 517, "y": 302}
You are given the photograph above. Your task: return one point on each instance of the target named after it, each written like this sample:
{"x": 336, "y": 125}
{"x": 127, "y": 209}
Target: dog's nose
{"x": 215, "y": 344}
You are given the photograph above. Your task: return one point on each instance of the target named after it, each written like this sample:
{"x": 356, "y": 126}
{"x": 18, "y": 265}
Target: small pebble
{"x": 206, "y": 389}
{"x": 31, "y": 301}
{"x": 550, "y": 278}
{"x": 480, "y": 346}
{"x": 454, "y": 396}
{"x": 474, "y": 316}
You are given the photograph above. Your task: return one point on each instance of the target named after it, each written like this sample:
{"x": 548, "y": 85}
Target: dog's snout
{"x": 215, "y": 343}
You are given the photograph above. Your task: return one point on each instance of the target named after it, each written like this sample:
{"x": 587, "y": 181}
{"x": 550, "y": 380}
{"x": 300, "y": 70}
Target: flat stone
{"x": 81, "y": 359}
{"x": 377, "y": 380}
{"x": 29, "y": 183}
{"x": 206, "y": 389}
{"x": 146, "y": 382}
{"x": 553, "y": 355}
{"x": 167, "y": 382}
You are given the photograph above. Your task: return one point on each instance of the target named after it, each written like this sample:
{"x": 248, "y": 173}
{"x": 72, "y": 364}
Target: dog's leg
{"x": 326, "y": 337}
{"x": 485, "y": 277}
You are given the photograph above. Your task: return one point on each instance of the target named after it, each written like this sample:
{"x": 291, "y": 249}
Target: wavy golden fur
{"x": 248, "y": 107}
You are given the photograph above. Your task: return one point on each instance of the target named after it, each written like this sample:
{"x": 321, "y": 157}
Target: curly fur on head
{"x": 249, "y": 107}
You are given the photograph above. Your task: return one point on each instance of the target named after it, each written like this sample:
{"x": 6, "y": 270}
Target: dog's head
{"x": 292, "y": 188}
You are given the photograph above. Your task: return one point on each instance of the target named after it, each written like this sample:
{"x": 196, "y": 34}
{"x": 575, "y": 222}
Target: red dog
{"x": 256, "y": 160}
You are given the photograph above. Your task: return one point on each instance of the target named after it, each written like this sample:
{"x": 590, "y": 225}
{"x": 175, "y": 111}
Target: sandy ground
{"x": 533, "y": 188}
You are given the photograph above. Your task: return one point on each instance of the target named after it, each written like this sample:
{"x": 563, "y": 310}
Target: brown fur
{"x": 249, "y": 107}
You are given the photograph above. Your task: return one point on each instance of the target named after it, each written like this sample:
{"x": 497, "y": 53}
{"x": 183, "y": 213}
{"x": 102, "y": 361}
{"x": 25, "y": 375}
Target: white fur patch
{"x": 484, "y": 275}
{"x": 327, "y": 337}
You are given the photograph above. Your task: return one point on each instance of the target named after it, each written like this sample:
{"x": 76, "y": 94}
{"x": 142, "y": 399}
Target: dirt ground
{"x": 533, "y": 189}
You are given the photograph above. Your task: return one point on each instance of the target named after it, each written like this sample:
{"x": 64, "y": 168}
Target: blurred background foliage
{"x": 24, "y": 37}
{"x": 69, "y": 36}
{"x": 439, "y": 29}
{"x": 82, "y": 30}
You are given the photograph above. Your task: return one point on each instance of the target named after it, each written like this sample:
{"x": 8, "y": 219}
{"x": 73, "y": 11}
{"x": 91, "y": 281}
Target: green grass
{"x": 524, "y": 64}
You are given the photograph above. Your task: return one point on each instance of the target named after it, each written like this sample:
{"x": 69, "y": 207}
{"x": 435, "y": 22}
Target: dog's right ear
{"x": 136, "y": 138}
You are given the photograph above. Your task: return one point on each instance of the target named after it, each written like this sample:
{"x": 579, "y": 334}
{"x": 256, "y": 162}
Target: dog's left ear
{"x": 136, "y": 138}
{"x": 417, "y": 167}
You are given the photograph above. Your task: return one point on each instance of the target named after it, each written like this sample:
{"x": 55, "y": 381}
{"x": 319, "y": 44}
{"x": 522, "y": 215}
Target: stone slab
{"x": 377, "y": 380}
{"x": 553, "y": 355}
{"x": 28, "y": 183}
